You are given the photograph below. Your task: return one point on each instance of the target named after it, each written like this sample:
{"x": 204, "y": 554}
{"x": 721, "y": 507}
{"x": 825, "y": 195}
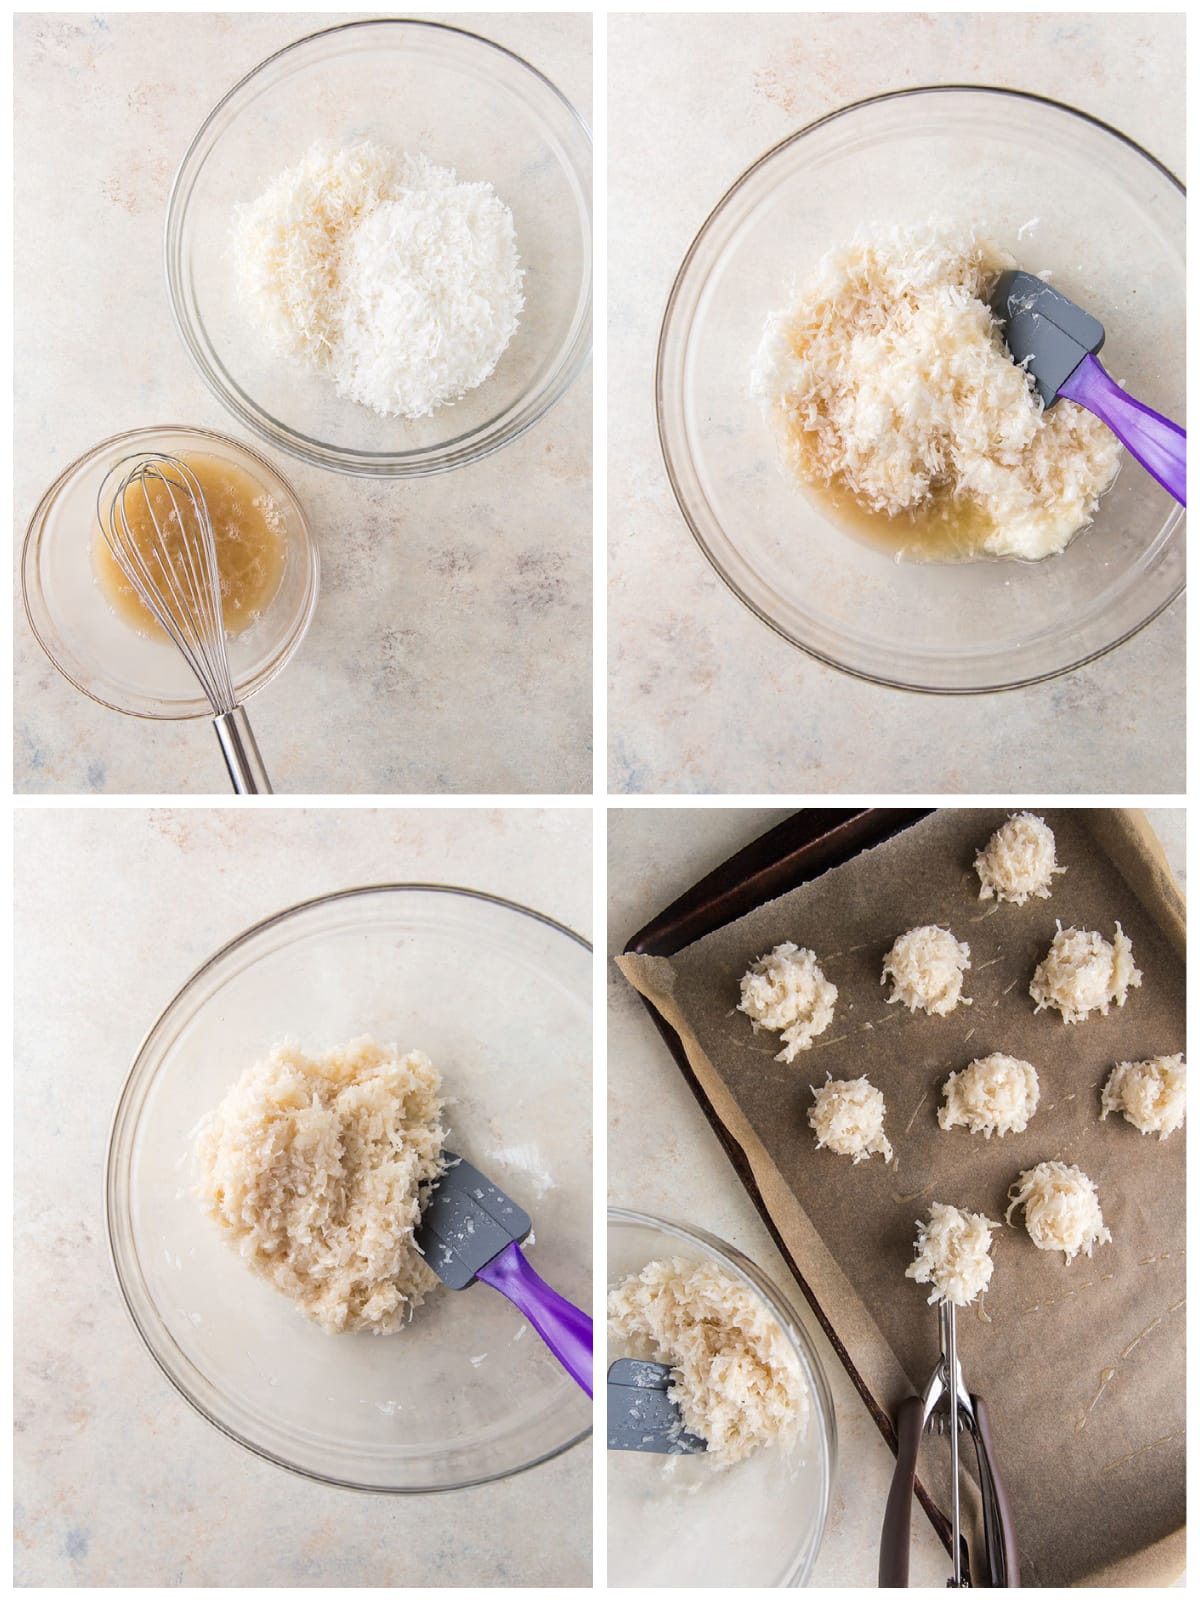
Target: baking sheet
{"x": 1094, "y": 1465}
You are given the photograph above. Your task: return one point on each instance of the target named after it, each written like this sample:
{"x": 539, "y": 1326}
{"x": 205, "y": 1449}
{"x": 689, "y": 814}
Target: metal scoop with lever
{"x": 642, "y": 1413}
{"x": 1057, "y": 342}
{"x": 471, "y": 1230}
{"x": 946, "y": 1407}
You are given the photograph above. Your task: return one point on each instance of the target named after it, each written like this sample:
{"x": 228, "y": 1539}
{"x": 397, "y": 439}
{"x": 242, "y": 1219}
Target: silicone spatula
{"x": 642, "y": 1414}
{"x": 471, "y": 1231}
{"x": 1057, "y": 342}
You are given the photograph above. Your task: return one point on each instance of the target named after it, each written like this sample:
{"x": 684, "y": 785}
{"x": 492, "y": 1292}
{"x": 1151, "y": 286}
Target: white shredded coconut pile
{"x": 787, "y": 992}
{"x": 1151, "y": 1094}
{"x": 1062, "y": 1209}
{"x": 888, "y": 377}
{"x": 926, "y": 966}
{"x": 996, "y": 1094}
{"x": 847, "y": 1117}
{"x": 737, "y": 1381}
{"x": 383, "y": 272}
{"x": 311, "y": 1167}
{"x": 953, "y": 1254}
{"x": 1081, "y": 973}
{"x": 1018, "y": 861}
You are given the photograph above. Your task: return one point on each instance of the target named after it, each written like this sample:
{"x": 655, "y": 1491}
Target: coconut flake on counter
{"x": 1062, "y": 1208}
{"x": 1151, "y": 1094}
{"x": 847, "y": 1117}
{"x": 787, "y": 992}
{"x": 994, "y": 1094}
{"x": 926, "y": 966}
{"x": 953, "y": 1254}
{"x": 1018, "y": 861}
{"x": 1081, "y": 973}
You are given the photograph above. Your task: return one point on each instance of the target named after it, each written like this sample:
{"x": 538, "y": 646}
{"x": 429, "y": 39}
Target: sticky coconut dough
{"x": 1062, "y": 1209}
{"x": 1149, "y": 1094}
{"x": 953, "y": 1254}
{"x": 787, "y": 992}
{"x": 847, "y": 1118}
{"x": 1018, "y": 862}
{"x": 311, "y": 1166}
{"x": 926, "y": 966}
{"x": 1081, "y": 973}
{"x": 996, "y": 1094}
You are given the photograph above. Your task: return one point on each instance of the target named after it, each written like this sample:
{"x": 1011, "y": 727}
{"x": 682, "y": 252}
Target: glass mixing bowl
{"x": 102, "y": 654}
{"x": 500, "y": 998}
{"x": 424, "y": 88}
{"x": 1059, "y": 190}
{"x": 674, "y": 1521}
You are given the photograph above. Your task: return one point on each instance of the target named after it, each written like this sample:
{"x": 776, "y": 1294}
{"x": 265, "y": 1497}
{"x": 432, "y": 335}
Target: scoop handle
{"x": 566, "y": 1330}
{"x": 897, "y": 1518}
{"x": 1157, "y": 442}
{"x": 247, "y": 772}
{"x": 1000, "y": 1539}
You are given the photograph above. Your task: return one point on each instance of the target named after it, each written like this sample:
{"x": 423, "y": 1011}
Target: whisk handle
{"x": 238, "y": 746}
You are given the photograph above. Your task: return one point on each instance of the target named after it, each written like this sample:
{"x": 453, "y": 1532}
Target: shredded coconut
{"x": 787, "y": 992}
{"x": 1062, "y": 1209}
{"x": 847, "y": 1117}
{"x": 1018, "y": 861}
{"x": 1150, "y": 1094}
{"x": 383, "y": 272}
{"x": 311, "y": 1167}
{"x": 737, "y": 1380}
{"x": 926, "y": 966}
{"x": 953, "y": 1254}
{"x": 889, "y": 378}
{"x": 1081, "y": 973}
{"x": 996, "y": 1094}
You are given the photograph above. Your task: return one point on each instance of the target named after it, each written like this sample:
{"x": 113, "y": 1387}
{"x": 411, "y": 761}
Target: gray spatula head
{"x": 642, "y": 1414}
{"x": 1045, "y": 332}
{"x": 466, "y": 1223}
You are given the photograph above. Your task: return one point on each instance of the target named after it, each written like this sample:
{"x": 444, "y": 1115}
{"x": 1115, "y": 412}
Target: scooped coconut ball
{"x": 1062, "y": 1209}
{"x": 1081, "y": 973}
{"x": 996, "y": 1094}
{"x": 926, "y": 966}
{"x": 847, "y": 1118}
{"x": 787, "y": 992}
{"x": 953, "y": 1254}
{"x": 1149, "y": 1094}
{"x": 1018, "y": 861}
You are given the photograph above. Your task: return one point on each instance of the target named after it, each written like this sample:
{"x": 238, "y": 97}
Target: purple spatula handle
{"x": 566, "y": 1329}
{"x": 1159, "y": 444}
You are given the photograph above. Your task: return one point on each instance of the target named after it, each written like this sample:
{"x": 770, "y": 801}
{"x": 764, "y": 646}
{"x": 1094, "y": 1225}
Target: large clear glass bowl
{"x": 673, "y": 1521}
{"x": 1060, "y": 191}
{"x": 419, "y": 87}
{"x": 500, "y": 998}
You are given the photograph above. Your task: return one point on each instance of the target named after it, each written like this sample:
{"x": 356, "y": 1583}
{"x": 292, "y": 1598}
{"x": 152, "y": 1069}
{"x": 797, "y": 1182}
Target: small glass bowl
{"x": 1059, "y": 190}
{"x": 674, "y": 1521}
{"x": 500, "y": 998}
{"x": 420, "y": 87}
{"x": 144, "y": 675}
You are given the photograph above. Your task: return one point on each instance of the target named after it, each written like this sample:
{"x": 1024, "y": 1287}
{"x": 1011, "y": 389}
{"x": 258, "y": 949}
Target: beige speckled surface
{"x": 692, "y": 101}
{"x": 451, "y": 650}
{"x": 671, "y": 1164}
{"x": 118, "y": 1482}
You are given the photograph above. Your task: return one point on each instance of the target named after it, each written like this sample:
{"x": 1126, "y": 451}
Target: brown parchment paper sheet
{"x": 1083, "y": 1365}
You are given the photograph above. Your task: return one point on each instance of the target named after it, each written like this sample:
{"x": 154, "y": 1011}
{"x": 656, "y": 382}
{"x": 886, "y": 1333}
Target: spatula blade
{"x": 467, "y": 1221}
{"x": 642, "y": 1414}
{"x": 1045, "y": 332}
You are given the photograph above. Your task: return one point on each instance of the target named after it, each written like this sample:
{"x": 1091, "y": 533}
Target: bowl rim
{"x": 426, "y": 460}
{"x": 124, "y": 1119}
{"x": 666, "y": 329}
{"x": 754, "y": 1276}
{"x": 287, "y": 649}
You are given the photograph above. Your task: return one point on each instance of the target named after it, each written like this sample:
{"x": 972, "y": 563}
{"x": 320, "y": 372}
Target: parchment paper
{"x": 1082, "y": 1365}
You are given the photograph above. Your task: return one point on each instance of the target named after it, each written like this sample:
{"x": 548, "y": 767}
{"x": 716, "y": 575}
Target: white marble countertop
{"x": 693, "y": 100}
{"x": 456, "y": 658}
{"x": 118, "y": 1483}
{"x": 672, "y": 1164}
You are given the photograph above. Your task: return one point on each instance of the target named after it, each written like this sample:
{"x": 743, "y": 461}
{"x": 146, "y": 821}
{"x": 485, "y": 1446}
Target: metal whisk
{"x": 180, "y": 586}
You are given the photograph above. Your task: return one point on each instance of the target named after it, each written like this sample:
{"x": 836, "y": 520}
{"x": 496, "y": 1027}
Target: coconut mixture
{"x": 953, "y": 1254}
{"x": 1151, "y": 1095}
{"x": 926, "y": 966}
{"x": 1062, "y": 1208}
{"x": 996, "y": 1094}
{"x": 1018, "y": 862}
{"x": 1081, "y": 973}
{"x": 787, "y": 992}
{"x": 847, "y": 1118}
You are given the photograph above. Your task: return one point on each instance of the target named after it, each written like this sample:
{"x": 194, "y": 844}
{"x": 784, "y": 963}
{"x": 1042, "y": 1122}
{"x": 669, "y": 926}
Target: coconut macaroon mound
{"x": 787, "y": 992}
{"x": 1062, "y": 1209}
{"x": 996, "y": 1094}
{"x": 1018, "y": 862}
{"x": 312, "y": 1167}
{"x": 926, "y": 966}
{"x": 1149, "y": 1094}
{"x": 847, "y": 1118}
{"x": 737, "y": 1380}
{"x": 1082, "y": 973}
{"x": 953, "y": 1254}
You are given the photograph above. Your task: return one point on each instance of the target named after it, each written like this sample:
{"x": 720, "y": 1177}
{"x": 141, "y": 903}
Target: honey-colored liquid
{"x": 942, "y": 530}
{"x": 249, "y": 533}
